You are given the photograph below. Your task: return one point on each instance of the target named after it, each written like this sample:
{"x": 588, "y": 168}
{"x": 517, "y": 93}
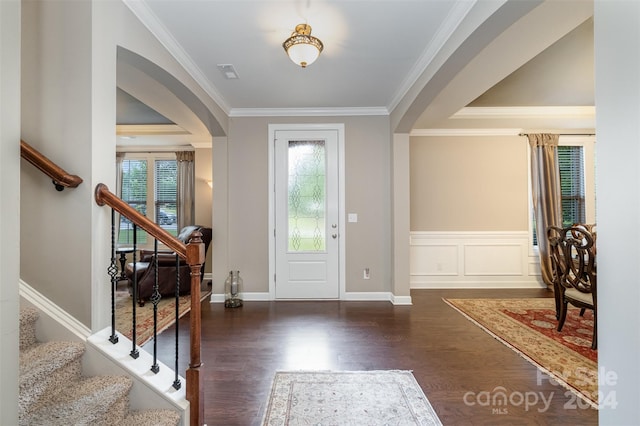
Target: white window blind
{"x": 134, "y": 192}
{"x": 166, "y": 184}
{"x": 571, "y": 162}
{"x": 149, "y": 184}
{"x": 134, "y": 184}
{"x": 572, "y": 184}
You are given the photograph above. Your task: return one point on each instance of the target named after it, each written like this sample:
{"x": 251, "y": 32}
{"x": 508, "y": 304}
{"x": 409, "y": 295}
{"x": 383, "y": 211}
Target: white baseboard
{"x": 57, "y": 324}
{"x": 377, "y": 296}
{"x": 248, "y": 297}
{"x": 349, "y": 296}
{"x": 402, "y": 300}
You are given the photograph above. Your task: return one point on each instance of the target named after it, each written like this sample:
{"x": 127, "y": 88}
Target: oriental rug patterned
{"x": 528, "y": 326}
{"x": 144, "y": 315}
{"x": 348, "y": 398}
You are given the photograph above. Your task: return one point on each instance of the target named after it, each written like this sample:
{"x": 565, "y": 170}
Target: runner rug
{"x": 144, "y": 315}
{"x": 529, "y": 327}
{"x": 348, "y": 398}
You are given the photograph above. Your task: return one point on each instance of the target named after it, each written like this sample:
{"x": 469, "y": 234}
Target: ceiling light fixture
{"x": 302, "y": 48}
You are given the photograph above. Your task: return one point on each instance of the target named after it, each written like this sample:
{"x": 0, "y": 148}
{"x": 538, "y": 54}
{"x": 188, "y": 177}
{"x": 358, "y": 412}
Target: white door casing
{"x": 307, "y": 208}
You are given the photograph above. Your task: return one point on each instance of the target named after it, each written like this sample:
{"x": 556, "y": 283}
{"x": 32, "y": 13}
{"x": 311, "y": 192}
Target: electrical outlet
{"x": 365, "y": 274}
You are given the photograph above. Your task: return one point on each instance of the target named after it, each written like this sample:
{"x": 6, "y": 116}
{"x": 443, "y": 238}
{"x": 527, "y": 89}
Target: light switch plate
{"x": 353, "y": 217}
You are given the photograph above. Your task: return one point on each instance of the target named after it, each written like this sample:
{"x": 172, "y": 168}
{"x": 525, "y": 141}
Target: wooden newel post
{"x": 195, "y": 394}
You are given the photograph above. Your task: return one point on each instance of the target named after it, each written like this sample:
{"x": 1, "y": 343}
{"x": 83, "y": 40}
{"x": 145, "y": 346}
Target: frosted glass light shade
{"x": 302, "y": 48}
{"x": 303, "y": 54}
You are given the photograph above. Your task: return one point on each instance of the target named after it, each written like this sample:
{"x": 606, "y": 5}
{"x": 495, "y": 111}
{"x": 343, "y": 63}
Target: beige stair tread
{"x": 98, "y": 399}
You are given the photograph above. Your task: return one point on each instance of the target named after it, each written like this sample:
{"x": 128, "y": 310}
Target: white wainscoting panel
{"x": 473, "y": 260}
{"x": 443, "y": 259}
{"x": 493, "y": 259}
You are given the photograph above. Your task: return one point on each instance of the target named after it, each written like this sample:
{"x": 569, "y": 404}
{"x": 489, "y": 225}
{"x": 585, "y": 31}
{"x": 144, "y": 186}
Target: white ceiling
{"x": 370, "y": 47}
{"x": 374, "y": 52}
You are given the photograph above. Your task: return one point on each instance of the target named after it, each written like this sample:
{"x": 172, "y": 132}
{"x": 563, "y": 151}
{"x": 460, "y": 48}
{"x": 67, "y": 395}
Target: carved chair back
{"x": 581, "y": 269}
{"x": 573, "y": 257}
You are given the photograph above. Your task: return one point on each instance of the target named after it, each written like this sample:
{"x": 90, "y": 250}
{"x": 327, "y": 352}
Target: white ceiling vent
{"x": 228, "y": 71}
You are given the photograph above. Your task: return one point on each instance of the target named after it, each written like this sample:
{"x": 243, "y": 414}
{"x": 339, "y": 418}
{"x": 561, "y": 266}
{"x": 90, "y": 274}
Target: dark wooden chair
{"x": 555, "y": 236}
{"x": 573, "y": 257}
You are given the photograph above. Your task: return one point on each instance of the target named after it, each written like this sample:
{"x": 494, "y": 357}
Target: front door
{"x": 306, "y": 214}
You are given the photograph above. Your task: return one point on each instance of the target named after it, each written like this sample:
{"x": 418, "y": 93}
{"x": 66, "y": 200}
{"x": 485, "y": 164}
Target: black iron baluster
{"x": 113, "y": 271}
{"x": 134, "y": 351}
{"x": 155, "y": 299}
{"x": 176, "y": 382}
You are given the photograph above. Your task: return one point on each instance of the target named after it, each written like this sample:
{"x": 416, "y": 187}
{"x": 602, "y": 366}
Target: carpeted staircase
{"x": 53, "y": 390}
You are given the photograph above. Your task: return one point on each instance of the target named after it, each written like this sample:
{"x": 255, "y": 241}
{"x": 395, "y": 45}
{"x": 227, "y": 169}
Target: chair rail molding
{"x": 472, "y": 260}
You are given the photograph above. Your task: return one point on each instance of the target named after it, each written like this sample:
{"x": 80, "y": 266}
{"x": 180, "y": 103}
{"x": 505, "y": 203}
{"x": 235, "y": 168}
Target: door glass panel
{"x": 306, "y": 196}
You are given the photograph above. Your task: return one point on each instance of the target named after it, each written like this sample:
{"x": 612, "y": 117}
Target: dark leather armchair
{"x": 166, "y": 262}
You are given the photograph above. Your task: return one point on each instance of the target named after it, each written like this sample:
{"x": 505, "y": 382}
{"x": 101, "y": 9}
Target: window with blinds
{"x": 134, "y": 192}
{"x": 166, "y": 185}
{"x": 571, "y": 162}
{"x": 572, "y": 184}
{"x": 149, "y": 184}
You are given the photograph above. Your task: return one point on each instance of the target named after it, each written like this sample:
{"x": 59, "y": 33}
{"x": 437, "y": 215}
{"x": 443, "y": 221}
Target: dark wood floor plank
{"x": 450, "y": 357}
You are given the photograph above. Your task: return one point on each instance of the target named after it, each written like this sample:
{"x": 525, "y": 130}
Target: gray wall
{"x": 617, "y": 67}
{"x": 469, "y": 183}
{"x": 9, "y": 208}
{"x": 56, "y": 226}
{"x": 367, "y": 187}
{"x": 203, "y": 195}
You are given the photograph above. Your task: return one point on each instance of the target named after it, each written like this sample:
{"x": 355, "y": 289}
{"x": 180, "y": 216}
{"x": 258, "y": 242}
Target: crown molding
{"x": 444, "y": 33}
{"x": 138, "y": 149}
{"x": 201, "y": 145}
{"x": 465, "y": 132}
{"x": 564, "y": 133}
{"x": 149, "y": 129}
{"x": 525, "y": 112}
{"x": 149, "y": 19}
{"x": 307, "y": 112}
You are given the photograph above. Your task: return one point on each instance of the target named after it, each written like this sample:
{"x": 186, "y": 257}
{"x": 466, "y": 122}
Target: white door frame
{"x": 339, "y": 128}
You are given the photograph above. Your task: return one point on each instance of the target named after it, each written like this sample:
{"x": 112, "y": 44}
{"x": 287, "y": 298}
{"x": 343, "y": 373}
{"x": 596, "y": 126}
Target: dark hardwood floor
{"x": 450, "y": 357}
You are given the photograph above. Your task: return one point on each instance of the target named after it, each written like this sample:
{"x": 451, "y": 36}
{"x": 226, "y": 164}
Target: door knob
{"x": 334, "y": 236}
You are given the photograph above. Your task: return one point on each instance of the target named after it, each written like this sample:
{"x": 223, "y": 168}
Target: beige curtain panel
{"x": 119, "y": 161}
{"x": 186, "y": 188}
{"x": 547, "y": 197}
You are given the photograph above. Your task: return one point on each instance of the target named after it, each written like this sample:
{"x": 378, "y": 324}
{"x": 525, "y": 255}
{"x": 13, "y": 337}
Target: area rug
{"x": 528, "y": 326}
{"x": 348, "y": 398}
{"x": 144, "y": 315}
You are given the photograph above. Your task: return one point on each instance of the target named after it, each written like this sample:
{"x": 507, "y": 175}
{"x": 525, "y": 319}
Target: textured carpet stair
{"x": 28, "y": 318}
{"x": 44, "y": 368}
{"x": 54, "y": 392}
{"x": 94, "y": 400}
{"x": 152, "y": 417}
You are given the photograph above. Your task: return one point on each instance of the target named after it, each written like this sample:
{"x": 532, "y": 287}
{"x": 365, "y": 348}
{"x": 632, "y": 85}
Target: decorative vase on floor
{"x": 232, "y": 287}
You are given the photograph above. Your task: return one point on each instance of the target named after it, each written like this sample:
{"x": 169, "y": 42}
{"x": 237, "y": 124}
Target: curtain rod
{"x": 563, "y": 134}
